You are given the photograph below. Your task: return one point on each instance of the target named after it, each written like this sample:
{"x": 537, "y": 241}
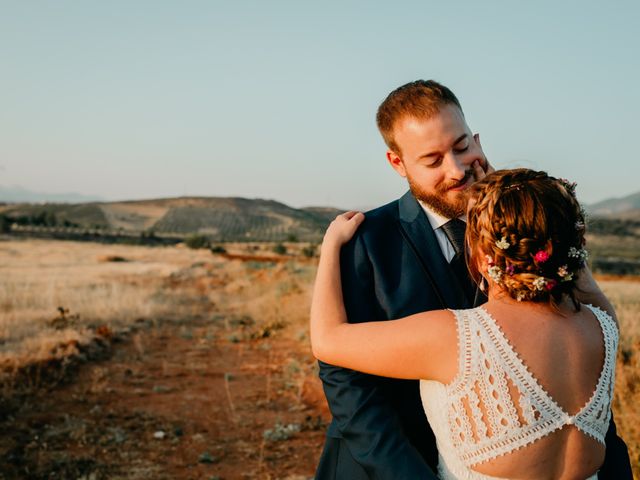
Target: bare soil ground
{"x": 173, "y": 364}
{"x": 170, "y": 403}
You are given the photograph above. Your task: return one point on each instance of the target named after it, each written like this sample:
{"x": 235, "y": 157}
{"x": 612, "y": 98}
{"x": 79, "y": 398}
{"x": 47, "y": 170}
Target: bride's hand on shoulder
{"x": 342, "y": 229}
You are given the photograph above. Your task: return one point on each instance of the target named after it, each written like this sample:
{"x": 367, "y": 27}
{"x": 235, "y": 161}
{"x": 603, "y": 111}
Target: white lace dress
{"x": 487, "y": 366}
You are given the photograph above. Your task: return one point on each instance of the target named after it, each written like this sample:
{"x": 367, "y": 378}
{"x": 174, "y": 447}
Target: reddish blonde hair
{"x": 421, "y": 99}
{"x": 532, "y": 213}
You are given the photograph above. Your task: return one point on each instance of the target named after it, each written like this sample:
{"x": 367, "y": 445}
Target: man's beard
{"x": 439, "y": 201}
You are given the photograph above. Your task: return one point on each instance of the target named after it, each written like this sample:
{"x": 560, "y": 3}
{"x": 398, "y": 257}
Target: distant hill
{"x": 222, "y": 219}
{"x": 613, "y": 235}
{"x": 327, "y": 213}
{"x": 627, "y": 207}
{"x": 614, "y": 241}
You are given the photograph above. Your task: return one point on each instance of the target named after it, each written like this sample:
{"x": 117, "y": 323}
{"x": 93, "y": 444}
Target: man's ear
{"x": 396, "y": 163}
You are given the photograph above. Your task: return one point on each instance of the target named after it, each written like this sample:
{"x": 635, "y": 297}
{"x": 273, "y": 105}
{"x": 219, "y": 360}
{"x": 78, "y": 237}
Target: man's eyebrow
{"x": 460, "y": 138}
{"x": 455, "y": 142}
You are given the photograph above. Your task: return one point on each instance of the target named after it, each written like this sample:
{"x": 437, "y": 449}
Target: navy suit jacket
{"x": 391, "y": 268}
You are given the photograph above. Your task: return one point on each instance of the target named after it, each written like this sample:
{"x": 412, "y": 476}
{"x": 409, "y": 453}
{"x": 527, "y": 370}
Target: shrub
{"x": 197, "y": 241}
{"x": 281, "y": 432}
{"x": 218, "y": 249}
{"x": 112, "y": 258}
{"x": 310, "y": 251}
{"x": 280, "y": 249}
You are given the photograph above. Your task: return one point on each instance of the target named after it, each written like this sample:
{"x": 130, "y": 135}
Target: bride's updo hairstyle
{"x": 530, "y": 229}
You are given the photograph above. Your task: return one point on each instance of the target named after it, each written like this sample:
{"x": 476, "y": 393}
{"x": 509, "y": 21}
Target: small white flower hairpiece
{"x": 582, "y": 254}
{"x": 540, "y": 283}
{"x": 495, "y": 273}
{"x": 502, "y": 244}
{"x": 514, "y": 186}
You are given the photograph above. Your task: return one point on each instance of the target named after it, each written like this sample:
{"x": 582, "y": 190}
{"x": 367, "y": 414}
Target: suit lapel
{"x": 419, "y": 234}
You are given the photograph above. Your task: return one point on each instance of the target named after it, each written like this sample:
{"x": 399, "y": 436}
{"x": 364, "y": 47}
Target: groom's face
{"x": 436, "y": 157}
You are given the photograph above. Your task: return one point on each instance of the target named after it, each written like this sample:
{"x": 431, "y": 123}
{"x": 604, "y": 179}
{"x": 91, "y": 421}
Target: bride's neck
{"x": 499, "y": 297}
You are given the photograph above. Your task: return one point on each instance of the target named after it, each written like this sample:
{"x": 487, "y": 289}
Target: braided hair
{"x": 530, "y": 227}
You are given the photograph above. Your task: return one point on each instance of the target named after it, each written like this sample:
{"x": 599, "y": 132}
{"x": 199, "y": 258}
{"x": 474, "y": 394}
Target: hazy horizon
{"x": 71, "y": 198}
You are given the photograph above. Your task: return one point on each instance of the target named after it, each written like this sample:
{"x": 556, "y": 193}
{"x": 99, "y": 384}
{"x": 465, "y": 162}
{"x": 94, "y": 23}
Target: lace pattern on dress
{"x": 492, "y": 375}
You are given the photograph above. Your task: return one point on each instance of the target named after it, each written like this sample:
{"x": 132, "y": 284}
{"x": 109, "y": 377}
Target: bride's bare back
{"x": 564, "y": 351}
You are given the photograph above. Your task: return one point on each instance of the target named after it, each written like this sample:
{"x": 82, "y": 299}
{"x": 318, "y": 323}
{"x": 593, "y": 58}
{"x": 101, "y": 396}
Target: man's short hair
{"x": 421, "y": 99}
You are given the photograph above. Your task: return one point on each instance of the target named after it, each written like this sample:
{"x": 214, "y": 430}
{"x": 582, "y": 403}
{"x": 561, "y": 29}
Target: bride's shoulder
{"x": 606, "y": 318}
{"x": 438, "y": 327}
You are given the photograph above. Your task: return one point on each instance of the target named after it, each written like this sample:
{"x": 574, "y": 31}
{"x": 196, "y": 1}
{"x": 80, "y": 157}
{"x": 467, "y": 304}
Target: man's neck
{"x": 435, "y": 219}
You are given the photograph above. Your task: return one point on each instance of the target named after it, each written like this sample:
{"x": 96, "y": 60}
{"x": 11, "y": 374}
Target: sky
{"x": 277, "y": 100}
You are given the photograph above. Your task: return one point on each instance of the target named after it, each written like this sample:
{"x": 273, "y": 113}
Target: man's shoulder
{"x": 385, "y": 217}
{"x": 382, "y": 215}
{"x": 380, "y": 226}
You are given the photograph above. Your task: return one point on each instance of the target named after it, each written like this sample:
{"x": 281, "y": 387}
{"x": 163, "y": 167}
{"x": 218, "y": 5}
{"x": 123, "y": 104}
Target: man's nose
{"x": 456, "y": 167}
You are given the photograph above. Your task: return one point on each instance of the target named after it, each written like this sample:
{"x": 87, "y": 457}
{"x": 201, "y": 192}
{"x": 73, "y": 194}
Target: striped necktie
{"x": 454, "y": 230}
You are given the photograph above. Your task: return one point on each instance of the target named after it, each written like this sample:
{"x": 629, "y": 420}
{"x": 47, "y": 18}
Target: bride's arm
{"x": 392, "y": 348}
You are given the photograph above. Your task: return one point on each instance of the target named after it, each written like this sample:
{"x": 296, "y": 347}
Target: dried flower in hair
{"x": 539, "y": 283}
{"x": 578, "y": 253}
{"x": 570, "y": 186}
{"x": 489, "y": 260}
{"x": 510, "y": 269}
{"x": 520, "y": 296}
{"x": 550, "y": 284}
{"x": 564, "y": 273}
{"x": 495, "y": 273}
{"x": 502, "y": 244}
{"x": 579, "y": 225}
{"x": 541, "y": 256}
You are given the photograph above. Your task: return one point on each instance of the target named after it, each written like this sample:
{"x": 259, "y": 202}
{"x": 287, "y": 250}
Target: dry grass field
{"x": 170, "y": 363}
{"x": 138, "y": 362}
{"x": 625, "y": 295}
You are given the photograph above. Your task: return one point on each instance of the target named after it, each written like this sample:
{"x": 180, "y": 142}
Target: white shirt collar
{"x": 435, "y": 219}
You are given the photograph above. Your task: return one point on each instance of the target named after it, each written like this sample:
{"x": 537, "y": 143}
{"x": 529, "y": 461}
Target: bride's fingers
{"x": 358, "y": 218}
{"x": 354, "y": 220}
{"x": 488, "y": 168}
{"x": 478, "y": 171}
{"x": 481, "y": 170}
{"x": 354, "y": 223}
{"x": 348, "y": 215}
{"x": 344, "y": 227}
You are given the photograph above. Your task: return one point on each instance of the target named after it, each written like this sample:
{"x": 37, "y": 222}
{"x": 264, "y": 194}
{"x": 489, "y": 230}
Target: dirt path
{"x": 174, "y": 401}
